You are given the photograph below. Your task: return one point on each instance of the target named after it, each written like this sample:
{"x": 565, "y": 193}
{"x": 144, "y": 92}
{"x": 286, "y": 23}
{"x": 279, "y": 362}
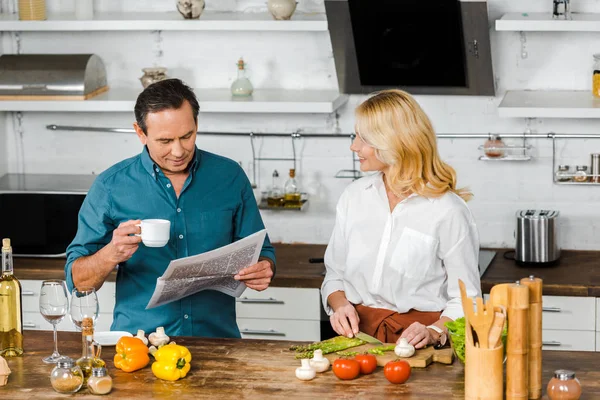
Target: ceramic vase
{"x": 190, "y": 9}
{"x": 282, "y": 9}
{"x": 152, "y": 75}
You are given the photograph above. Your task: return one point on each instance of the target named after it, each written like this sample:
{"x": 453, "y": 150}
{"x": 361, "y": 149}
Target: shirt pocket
{"x": 212, "y": 229}
{"x": 414, "y": 254}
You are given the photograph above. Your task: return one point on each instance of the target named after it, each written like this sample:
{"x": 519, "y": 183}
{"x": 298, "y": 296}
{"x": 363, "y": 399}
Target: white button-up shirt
{"x": 411, "y": 258}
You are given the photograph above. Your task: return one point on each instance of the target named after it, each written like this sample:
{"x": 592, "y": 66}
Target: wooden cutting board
{"x": 421, "y": 359}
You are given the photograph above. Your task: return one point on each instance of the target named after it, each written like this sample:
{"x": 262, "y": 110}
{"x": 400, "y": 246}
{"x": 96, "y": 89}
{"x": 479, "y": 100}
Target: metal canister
{"x": 595, "y": 167}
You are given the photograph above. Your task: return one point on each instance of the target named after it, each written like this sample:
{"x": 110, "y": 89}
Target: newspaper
{"x": 211, "y": 270}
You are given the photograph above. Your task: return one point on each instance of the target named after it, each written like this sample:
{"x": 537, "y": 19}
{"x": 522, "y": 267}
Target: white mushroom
{"x": 158, "y": 338}
{"x": 142, "y": 336}
{"x": 404, "y": 349}
{"x": 305, "y": 372}
{"x": 318, "y": 362}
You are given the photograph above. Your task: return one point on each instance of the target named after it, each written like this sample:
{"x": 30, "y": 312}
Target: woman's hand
{"x": 418, "y": 335}
{"x": 345, "y": 320}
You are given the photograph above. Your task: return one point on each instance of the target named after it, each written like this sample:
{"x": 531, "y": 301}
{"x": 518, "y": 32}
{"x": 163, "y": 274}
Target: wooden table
{"x": 236, "y": 369}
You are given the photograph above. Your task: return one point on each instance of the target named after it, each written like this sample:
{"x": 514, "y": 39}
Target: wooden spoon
{"x": 495, "y": 335}
{"x": 467, "y": 305}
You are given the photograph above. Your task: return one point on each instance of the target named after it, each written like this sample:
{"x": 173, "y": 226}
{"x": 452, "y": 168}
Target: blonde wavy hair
{"x": 393, "y": 123}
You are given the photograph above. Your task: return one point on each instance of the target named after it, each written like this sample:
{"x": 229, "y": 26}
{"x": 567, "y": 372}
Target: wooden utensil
{"x": 535, "y": 335}
{"x": 495, "y": 335}
{"x": 517, "y": 347}
{"x": 499, "y": 295}
{"x": 467, "y": 304}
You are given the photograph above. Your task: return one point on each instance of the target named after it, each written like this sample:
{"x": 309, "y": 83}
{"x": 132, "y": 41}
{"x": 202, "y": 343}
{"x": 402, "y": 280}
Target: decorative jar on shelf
{"x": 32, "y": 10}
{"x": 563, "y": 175}
{"x": 152, "y": 75}
{"x": 494, "y": 146}
{"x": 596, "y": 76}
{"x": 282, "y": 9}
{"x": 190, "y": 9}
{"x": 241, "y": 87}
{"x": 581, "y": 174}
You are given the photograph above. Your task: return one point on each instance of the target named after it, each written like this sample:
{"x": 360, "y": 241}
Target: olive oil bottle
{"x": 292, "y": 194}
{"x": 89, "y": 358}
{"x": 11, "y": 310}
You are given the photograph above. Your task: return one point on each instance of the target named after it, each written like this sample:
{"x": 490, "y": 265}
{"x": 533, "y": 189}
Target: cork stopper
{"x": 6, "y": 244}
{"x": 87, "y": 326}
{"x": 292, "y": 173}
{"x": 240, "y": 63}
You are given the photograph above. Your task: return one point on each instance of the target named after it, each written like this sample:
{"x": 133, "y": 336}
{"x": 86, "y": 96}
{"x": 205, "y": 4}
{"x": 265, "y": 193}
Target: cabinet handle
{"x": 552, "y": 343}
{"x": 270, "y": 300}
{"x": 270, "y": 332}
{"x": 28, "y": 293}
{"x": 29, "y": 325}
{"x": 552, "y": 309}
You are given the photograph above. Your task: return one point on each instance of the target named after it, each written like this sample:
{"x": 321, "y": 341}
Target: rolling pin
{"x": 535, "y": 335}
{"x": 517, "y": 348}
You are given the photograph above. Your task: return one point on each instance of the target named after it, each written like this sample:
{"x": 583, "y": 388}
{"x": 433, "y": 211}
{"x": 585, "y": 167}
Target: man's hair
{"x": 168, "y": 94}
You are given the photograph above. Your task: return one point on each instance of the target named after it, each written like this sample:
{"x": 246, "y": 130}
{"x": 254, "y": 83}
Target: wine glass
{"x": 84, "y": 304}
{"x": 54, "y": 305}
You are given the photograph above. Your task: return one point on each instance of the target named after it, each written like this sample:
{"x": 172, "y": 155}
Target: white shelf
{"x": 549, "y": 104}
{"x": 544, "y": 22}
{"x": 173, "y": 21}
{"x": 211, "y": 100}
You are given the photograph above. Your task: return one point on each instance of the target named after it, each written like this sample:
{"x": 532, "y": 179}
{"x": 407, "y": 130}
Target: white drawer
{"x": 568, "y": 340}
{"x": 35, "y": 321}
{"x": 279, "y": 329}
{"x": 598, "y": 314}
{"x": 280, "y": 303}
{"x": 31, "y": 296}
{"x": 569, "y": 313}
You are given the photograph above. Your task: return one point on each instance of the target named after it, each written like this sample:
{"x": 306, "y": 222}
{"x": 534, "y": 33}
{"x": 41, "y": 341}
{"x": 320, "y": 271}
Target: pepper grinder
{"x": 517, "y": 346}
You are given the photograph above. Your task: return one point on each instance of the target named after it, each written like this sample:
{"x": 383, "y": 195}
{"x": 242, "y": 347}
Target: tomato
{"x": 397, "y": 371}
{"x": 345, "y": 368}
{"x": 367, "y": 362}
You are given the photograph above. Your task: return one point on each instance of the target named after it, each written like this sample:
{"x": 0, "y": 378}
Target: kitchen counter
{"x": 578, "y": 273}
{"x": 242, "y": 368}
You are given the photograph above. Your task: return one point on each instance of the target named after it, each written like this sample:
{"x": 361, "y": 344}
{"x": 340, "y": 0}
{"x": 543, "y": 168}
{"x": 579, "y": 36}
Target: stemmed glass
{"x": 54, "y": 305}
{"x": 84, "y": 304}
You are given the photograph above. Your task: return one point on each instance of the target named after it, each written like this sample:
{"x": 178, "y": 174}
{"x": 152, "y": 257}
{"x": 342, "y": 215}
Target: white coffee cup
{"x": 155, "y": 232}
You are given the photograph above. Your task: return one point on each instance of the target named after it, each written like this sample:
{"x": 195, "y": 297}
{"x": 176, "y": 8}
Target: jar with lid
{"x": 564, "y": 386}
{"x": 581, "y": 173}
{"x": 494, "y": 146}
{"x": 563, "y": 175}
{"x": 100, "y": 382}
{"x": 66, "y": 377}
{"x": 596, "y": 76}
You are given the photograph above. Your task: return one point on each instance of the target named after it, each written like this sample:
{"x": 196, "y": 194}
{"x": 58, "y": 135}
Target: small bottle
{"x": 563, "y": 175}
{"x": 563, "y": 386}
{"x": 11, "y": 307}
{"x": 66, "y": 377}
{"x": 241, "y": 87}
{"x": 596, "y": 76}
{"x": 291, "y": 195}
{"x": 275, "y": 198}
{"x": 100, "y": 382}
{"x": 494, "y": 146}
{"x": 581, "y": 173}
{"x": 89, "y": 358}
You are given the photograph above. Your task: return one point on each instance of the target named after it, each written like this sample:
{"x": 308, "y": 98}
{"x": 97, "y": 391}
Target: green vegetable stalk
{"x": 332, "y": 345}
{"x": 382, "y": 349}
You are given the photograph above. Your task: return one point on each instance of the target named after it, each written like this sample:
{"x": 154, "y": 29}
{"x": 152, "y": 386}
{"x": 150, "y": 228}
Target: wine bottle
{"x": 11, "y": 310}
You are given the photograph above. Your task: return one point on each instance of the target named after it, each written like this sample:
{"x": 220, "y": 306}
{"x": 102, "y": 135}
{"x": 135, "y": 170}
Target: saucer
{"x": 109, "y": 338}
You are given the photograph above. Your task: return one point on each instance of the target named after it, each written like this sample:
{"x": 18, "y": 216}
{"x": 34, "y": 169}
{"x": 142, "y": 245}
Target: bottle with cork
{"x": 11, "y": 309}
{"x": 90, "y": 358}
{"x": 292, "y": 194}
{"x": 241, "y": 87}
{"x": 275, "y": 197}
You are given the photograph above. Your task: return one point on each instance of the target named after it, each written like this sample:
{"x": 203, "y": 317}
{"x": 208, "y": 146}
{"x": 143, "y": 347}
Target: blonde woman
{"x": 403, "y": 236}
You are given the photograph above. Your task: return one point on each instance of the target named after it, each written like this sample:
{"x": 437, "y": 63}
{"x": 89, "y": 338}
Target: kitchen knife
{"x": 367, "y": 338}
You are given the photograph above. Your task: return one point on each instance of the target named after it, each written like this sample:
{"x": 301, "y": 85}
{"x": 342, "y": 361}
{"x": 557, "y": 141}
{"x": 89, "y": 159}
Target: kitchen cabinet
{"x": 569, "y": 323}
{"x": 33, "y": 320}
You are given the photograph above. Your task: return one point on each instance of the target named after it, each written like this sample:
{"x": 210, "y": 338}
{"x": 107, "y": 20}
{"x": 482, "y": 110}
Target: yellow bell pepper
{"x": 172, "y": 362}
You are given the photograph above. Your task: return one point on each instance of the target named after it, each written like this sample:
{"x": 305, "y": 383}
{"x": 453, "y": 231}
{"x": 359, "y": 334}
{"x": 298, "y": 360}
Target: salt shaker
{"x": 563, "y": 386}
{"x": 66, "y": 377}
{"x": 581, "y": 173}
{"x": 100, "y": 382}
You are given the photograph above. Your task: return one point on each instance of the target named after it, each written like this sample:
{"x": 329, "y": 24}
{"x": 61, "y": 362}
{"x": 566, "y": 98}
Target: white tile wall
{"x": 304, "y": 60}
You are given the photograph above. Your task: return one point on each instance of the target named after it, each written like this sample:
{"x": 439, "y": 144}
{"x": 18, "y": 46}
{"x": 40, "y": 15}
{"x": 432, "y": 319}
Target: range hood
{"x": 422, "y": 46}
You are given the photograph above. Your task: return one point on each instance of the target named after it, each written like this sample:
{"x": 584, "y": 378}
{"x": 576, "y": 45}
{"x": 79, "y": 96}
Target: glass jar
{"x": 563, "y": 386}
{"x": 581, "y": 173}
{"x": 563, "y": 175}
{"x": 152, "y": 75}
{"x": 66, "y": 377}
{"x": 596, "y": 76}
{"x": 100, "y": 382}
{"x": 494, "y": 146}
{"x": 241, "y": 87}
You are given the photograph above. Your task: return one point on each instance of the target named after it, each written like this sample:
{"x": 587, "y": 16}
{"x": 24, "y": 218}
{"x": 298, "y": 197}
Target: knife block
{"x": 483, "y": 372}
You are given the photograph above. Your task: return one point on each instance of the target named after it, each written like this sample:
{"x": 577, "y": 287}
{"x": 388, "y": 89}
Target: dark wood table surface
{"x": 577, "y": 274}
{"x": 236, "y": 369}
